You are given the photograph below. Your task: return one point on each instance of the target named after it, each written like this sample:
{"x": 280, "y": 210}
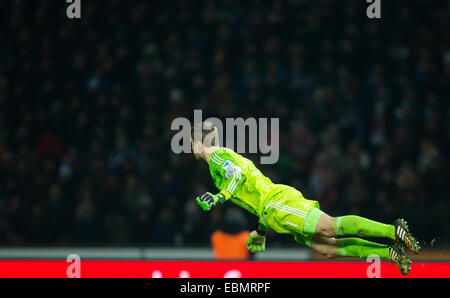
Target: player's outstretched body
{"x": 284, "y": 209}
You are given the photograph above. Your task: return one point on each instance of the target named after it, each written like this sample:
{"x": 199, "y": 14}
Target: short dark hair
{"x": 208, "y": 131}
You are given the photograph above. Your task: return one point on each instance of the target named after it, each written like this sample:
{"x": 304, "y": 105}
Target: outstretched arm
{"x": 233, "y": 177}
{"x": 207, "y": 201}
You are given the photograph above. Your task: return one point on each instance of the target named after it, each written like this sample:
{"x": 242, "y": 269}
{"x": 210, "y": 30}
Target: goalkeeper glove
{"x": 257, "y": 239}
{"x": 208, "y": 201}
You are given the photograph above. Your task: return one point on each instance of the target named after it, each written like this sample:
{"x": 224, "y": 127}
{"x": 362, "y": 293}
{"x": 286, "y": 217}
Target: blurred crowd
{"x": 86, "y": 107}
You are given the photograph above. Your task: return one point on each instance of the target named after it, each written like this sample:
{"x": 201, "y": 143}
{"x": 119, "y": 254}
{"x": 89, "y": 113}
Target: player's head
{"x": 203, "y": 135}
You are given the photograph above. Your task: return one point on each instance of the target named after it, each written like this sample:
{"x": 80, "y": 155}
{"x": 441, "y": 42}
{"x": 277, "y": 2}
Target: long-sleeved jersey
{"x": 241, "y": 182}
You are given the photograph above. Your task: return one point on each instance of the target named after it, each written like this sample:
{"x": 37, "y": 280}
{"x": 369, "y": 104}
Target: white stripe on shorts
{"x": 289, "y": 208}
{"x": 269, "y": 204}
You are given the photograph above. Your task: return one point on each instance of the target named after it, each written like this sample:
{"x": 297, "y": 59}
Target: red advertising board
{"x": 211, "y": 269}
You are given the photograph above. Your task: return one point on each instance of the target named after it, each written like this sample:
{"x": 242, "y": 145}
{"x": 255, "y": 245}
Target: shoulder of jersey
{"x": 216, "y": 158}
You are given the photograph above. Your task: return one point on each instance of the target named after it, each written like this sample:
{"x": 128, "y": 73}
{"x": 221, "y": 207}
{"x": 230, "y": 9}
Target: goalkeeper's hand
{"x": 208, "y": 201}
{"x": 256, "y": 242}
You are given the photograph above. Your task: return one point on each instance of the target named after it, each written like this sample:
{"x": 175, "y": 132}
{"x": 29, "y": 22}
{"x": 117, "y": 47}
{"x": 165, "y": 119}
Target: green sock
{"x": 352, "y": 225}
{"x": 356, "y": 247}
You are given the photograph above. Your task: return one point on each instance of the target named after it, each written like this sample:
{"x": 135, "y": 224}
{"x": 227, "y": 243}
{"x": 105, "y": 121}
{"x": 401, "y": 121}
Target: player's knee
{"x": 327, "y": 253}
{"x": 331, "y": 253}
{"x": 326, "y": 227}
{"x": 330, "y": 256}
{"x": 325, "y": 233}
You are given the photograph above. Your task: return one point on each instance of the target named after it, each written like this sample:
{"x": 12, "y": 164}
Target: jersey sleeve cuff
{"x": 261, "y": 230}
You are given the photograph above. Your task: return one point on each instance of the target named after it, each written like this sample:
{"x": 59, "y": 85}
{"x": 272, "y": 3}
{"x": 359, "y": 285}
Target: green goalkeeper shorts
{"x": 290, "y": 213}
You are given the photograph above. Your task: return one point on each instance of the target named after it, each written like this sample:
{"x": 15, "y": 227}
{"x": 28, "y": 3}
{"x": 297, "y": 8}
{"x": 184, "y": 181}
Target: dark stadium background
{"x": 86, "y": 107}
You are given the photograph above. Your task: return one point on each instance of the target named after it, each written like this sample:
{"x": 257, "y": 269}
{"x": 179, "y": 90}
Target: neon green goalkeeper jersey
{"x": 238, "y": 176}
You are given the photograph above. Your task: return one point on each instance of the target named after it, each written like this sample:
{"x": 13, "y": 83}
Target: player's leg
{"x": 356, "y": 248}
{"x": 327, "y": 247}
{"x": 333, "y": 248}
{"x": 313, "y": 229}
{"x": 352, "y": 225}
{"x": 317, "y": 226}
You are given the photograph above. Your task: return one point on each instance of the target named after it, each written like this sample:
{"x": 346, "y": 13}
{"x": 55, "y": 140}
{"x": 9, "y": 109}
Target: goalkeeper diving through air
{"x": 284, "y": 209}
